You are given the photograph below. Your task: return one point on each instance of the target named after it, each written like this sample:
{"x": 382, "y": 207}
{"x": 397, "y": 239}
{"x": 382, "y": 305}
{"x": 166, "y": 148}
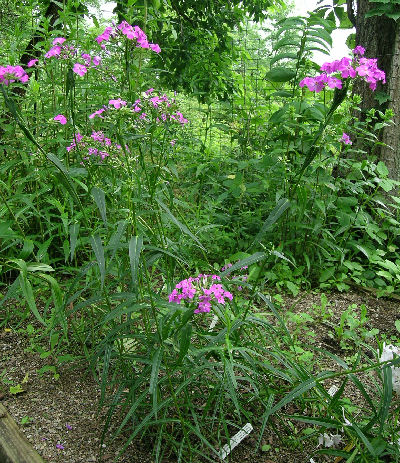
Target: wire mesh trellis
{"x": 226, "y": 125}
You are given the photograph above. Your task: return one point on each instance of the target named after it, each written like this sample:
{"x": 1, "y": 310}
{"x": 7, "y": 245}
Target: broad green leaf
{"x": 280, "y": 74}
{"x": 29, "y": 297}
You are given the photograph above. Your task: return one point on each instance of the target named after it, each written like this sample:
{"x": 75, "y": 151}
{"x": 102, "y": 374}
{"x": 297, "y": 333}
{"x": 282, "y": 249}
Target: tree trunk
{"x": 379, "y": 35}
{"x": 390, "y": 152}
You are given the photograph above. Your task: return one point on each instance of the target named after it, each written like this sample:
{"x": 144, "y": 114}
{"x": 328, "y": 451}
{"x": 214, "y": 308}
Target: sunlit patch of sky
{"x": 301, "y": 8}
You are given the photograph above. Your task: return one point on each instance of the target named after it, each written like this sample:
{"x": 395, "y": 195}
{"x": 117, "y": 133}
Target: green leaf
{"x": 327, "y": 274}
{"x": 280, "y": 75}
{"x": 100, "y": 199}
{"x": 135, "y": 248}
{"x": 66, "y": 180}
{"x": 98, "y": 249}
{"x": 280, "y": 56}
{"x": 155, "y": 368}
{"x": 29, "y": 297}
{"x": 18, "y": 389}
{"x": 274, "y": 215}
{"x": 181, "y": 226}
{"x": 184, "y": 341}
{"x": 256, "y": 257}
{"x": 73, "y": 238}
{"x": 382, "y": 169}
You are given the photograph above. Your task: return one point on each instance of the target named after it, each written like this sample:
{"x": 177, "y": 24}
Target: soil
{"x": 65, "y": 425}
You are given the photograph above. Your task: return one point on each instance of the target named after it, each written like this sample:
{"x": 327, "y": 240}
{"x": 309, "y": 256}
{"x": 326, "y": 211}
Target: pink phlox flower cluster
{"x": 32, "y": 63}
{"x": 202, "y": 290}
{"x": 61, "y": 119}
{"x": 59, "y": 40}
{"x": 117, "y": 103}
{"x": 131, "y": 33}
{"x": 99, "y": 152}
{"x": 179, "y": 118}
{"x": 54, "y": 51}
{"x": 79, "y": 69}
{"x": 366, "y": 68}
{"x": 318, "y": 83}
{"x": 9, "y": 74}
{"x": 99, "y": 113}
{"x": 64, "y": 51}
{"x": 359, "y": 50}
{"x": 346, "y": 139}
{"x": 105, "y": 36}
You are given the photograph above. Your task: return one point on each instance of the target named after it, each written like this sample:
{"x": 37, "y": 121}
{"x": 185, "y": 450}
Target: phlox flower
{"x": 346, "y": 139}
{"x": 155, "y": 47}
{"x": 200, "y": 290}
{"x": 59, "y": 41}
{"x": 9, "y": 74}
{"x": 97, "y": 113}
{"x": 61, "y": 119}
{"x": 117, "y": 103}
{"x": 87, "y": 58}
{"x": 359, "y": 50}
{"x": 32, "y": 62}
{"x": 79, "y": 69}
{"x": 54, "y": 51}
{"x": 105, "y": 36}
{"x": 348, "y": 68}
{"x": 96, "y": 60}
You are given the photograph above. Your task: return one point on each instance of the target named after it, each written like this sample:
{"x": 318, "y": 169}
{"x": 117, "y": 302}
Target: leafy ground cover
{"x": 65, "y": 411}
{"x": 132, "y": 248}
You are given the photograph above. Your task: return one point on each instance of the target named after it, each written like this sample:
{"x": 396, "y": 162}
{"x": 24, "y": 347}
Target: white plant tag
{"x": 213, "y": 322}
{"x": 235, "y": 440}
{"x": 332, "y": 390}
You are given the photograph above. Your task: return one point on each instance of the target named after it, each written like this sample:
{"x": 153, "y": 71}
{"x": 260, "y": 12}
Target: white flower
{"x": 329, "y": 440}
{"x": 388, "y": 352}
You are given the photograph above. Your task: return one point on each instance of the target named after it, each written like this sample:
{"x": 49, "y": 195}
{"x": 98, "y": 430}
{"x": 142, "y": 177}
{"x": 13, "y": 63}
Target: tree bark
{"x": 379, "y": 35}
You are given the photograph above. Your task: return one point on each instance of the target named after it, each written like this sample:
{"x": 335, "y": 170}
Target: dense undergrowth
{"x": 109, "y": 200}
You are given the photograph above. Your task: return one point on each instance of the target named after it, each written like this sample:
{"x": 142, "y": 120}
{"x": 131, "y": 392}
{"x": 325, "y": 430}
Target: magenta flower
{"x": 155, "y": 47}
{"x": 117, "y": 103}
{"x": 97, "y": 113}
{"x": 87, "y": 58}
{"x": 105, "y": 36}
{"x": 59, "y": 41}
{"x": 60, "y": 447}
{"x": 61, "y": 119}
{"x": 9, "y": 74}
{"x": 80, "y": 69}
{"x": 346, "y": 139}
{"x": 54, "y": 51}
{"x": 200, "y": 290}
{"x": 32, "y": 62}
{"x": 96, "y": 60}
{"x": 359, "y": 50}
{"x": 68, "y": 426}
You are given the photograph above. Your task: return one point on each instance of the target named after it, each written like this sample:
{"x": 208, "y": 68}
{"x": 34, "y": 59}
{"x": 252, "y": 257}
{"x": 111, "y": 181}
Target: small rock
{"x": 92, "y": 458}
